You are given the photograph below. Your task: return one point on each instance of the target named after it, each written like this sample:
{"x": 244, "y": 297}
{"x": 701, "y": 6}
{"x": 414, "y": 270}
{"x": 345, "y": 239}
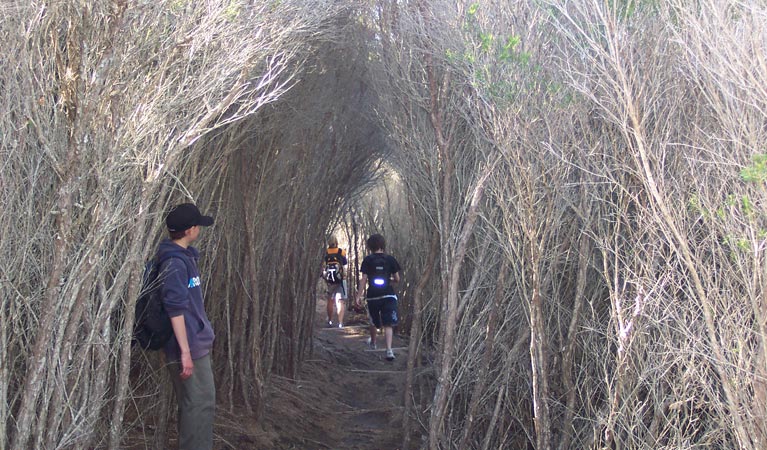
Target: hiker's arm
{"x": 179, "y": 329}
{"x": 395, "y": 271}
{"x": 175, "y": 287}
{"x": 175, "y": 298}
{"x": 361, "y": 289}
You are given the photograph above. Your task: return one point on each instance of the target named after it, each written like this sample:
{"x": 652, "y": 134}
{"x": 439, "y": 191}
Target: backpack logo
{"x": 152, "y": 328}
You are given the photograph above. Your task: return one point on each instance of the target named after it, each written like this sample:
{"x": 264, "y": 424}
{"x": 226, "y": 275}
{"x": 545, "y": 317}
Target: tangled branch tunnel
{"x": 575, "y": 191}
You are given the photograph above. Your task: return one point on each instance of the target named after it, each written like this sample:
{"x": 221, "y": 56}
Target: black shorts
{"x": 383, "y": 312}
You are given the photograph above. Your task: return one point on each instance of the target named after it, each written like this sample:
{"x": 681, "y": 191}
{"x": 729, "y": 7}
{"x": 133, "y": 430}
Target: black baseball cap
{"x": 185, "y": 216}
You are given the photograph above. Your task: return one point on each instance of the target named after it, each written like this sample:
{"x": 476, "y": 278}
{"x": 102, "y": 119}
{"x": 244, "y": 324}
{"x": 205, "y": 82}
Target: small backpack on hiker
{"x": 334, "y": 268}
{"x": 380, "y": 275}
{"x": 152, "y": 328}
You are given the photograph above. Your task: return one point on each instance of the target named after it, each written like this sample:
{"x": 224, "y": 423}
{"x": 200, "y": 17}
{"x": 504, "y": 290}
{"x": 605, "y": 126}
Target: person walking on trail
{"x": 379, "y": 272}
{"x": 188, "y": 350}
{"x": 333, "y": 273}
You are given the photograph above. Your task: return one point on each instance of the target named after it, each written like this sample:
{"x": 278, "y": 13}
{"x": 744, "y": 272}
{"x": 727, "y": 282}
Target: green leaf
{"x": 747, "y": 206}
{"x": 487, "y": 42}
{"x": 231, "y": 12}
{"x": 744, "y": 244}
{"x": 512, "y": 43}
{"x": 177, "y": 5}
{"x": 507, "y": 50}
{"x": 757, "y": 171}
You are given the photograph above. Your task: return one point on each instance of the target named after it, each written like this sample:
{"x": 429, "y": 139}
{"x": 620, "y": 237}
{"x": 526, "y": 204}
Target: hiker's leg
{"x": 389, "y": 319}
{"x": 341, "y": 307}
{"x": 388, "y": 334}
{"x": 374, "y": 312}
{"x": 196, "y": 398}
{"x": 330, "y": 305}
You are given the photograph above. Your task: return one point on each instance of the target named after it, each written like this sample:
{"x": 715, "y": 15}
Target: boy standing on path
{"x": 379, "y": 272}
{"x": 188, "y": 351}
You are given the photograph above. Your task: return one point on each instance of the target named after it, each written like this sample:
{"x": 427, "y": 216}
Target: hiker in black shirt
{"x": 379, "y": 272}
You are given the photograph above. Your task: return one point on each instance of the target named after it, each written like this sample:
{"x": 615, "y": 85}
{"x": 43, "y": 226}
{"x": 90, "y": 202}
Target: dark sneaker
{"x": 389, "y": 355}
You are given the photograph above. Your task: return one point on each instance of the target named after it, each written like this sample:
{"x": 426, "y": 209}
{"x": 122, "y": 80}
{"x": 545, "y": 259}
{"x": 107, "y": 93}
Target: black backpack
{"x": 152, "y": 329}
{"x": 379, "y": 271}
{"x": 334, "y": 270}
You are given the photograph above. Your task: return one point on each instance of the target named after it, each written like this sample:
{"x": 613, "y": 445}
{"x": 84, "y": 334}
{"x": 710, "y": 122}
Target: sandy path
{"x": 366, "y": 393}
{"x": 347, "y": 397}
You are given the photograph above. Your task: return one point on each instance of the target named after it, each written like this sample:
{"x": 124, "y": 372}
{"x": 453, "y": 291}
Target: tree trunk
{"x": 538, "y": 353}
{"x": 444, "y": 381}
{"x": 68, "y": 68}
{"x": 415, "y": 336}
{"x": 487, "y": 356}
{"x": 568, "y": 378}
{"x": 134, "y": 286}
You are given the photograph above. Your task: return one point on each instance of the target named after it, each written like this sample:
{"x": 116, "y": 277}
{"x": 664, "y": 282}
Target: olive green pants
{"x": 196, "y": 397}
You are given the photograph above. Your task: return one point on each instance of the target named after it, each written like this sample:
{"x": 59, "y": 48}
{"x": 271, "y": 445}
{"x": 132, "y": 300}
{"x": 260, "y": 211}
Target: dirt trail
{"x": 347, "y": 397}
